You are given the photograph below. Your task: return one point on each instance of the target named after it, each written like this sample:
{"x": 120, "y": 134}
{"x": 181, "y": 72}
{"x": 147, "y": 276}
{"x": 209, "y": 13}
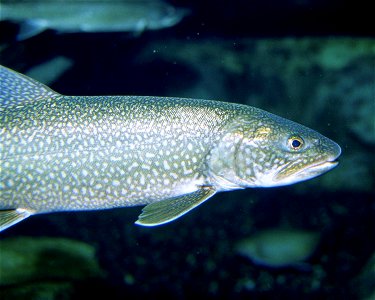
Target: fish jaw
{"x": 304, "y": 174}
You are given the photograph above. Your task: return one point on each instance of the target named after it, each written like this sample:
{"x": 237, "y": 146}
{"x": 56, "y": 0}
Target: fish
{"x": 74, "y": 153}
{"x": 90, "y": 16}
{"x": 279, "y": 247}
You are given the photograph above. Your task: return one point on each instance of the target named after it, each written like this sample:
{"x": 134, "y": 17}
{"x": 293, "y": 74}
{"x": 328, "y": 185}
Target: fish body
{"x": 63, "y": 153}
{"x": 90, "y": 16}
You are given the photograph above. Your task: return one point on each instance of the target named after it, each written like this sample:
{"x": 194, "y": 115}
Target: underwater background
{"x": 309, "y": 61}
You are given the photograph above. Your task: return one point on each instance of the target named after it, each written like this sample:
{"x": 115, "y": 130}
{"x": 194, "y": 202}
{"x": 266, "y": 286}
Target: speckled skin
{"x": 80, "y": 153}
{"x": 72, "y": 153}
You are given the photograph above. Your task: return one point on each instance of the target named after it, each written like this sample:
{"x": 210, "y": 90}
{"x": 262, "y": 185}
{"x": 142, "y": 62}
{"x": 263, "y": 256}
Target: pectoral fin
{"x": 10, "y": 217}
{"x": 170, "y": 209}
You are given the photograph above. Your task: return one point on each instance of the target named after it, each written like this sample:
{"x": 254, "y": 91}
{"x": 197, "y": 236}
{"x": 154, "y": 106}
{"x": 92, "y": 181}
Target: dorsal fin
{"x": 17, "y": 89}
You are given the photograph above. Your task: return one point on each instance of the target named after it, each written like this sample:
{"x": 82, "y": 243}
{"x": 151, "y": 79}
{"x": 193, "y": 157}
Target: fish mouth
{"x": 283, "y": 177}
{"x": 316, "y": 169}
{"x": 320, "y": 168}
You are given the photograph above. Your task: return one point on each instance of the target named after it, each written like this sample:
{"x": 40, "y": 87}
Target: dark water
{"x": 305, "y": 60}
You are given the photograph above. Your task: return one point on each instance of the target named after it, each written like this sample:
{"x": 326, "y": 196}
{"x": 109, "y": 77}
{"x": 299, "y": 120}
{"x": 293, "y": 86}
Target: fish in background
{"x": 90, "y": 16}
{"x": 70, "y": 153}
{"x": 279, "y": 247}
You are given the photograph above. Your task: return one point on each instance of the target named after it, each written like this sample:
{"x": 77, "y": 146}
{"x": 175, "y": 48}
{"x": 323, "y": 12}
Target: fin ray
{"x": 11, "y": 217}
{"x": 170, "y": 209}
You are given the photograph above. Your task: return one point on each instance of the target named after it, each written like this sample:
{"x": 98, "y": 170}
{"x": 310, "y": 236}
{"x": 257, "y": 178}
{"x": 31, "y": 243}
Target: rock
{"x": 38, "y": 259}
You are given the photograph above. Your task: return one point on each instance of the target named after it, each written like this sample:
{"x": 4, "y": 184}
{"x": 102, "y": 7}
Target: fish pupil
{"x": 296, "y": 143}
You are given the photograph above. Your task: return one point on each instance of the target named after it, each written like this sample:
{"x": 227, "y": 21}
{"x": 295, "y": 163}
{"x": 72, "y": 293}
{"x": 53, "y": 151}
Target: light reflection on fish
{"x": 90, "y": 16}
{"x": 67, "y": 153}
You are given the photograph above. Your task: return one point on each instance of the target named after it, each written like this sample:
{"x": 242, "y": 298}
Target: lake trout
{"x": 71, "y": 153}
{"x": 90, "y": 16}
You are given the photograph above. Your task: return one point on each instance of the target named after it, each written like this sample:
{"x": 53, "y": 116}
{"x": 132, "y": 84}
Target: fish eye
{"x": 295, "y": 143}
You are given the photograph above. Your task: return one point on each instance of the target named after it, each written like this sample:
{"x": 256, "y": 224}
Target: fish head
{"x": 165, "y": 16}
{"x": 269, "y": 151}
{"x": 280, "y": 152}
